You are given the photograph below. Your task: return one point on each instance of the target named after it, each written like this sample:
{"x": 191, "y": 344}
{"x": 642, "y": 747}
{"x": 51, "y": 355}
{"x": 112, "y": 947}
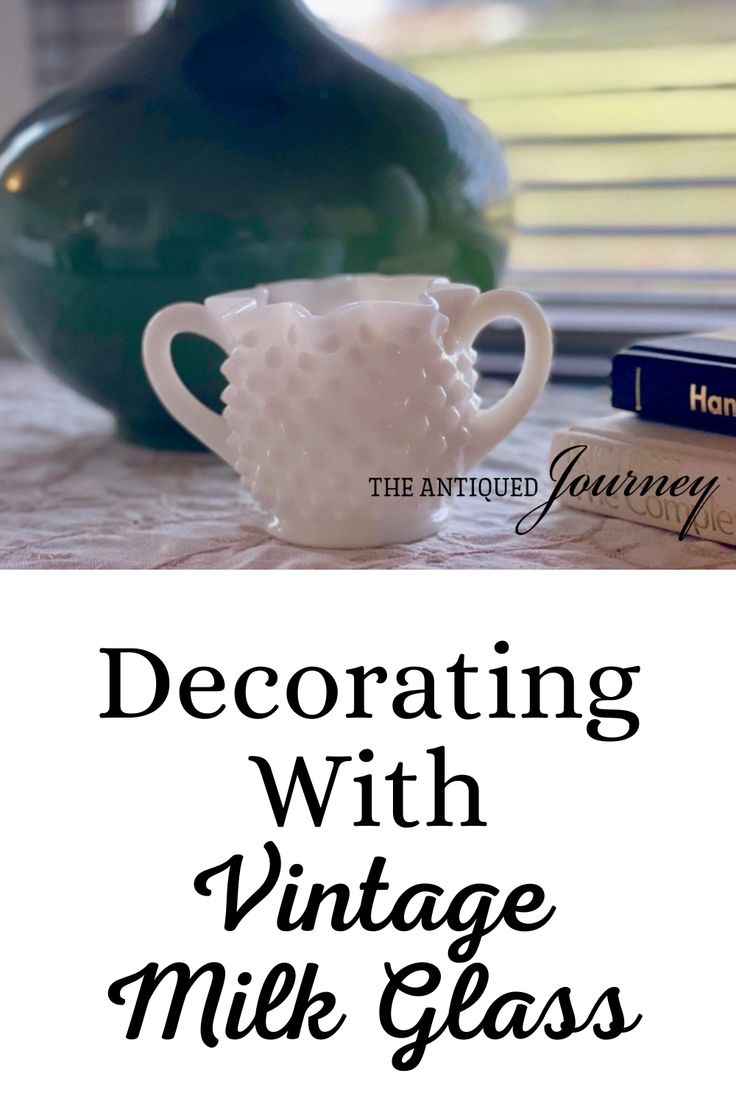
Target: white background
{"x": 106, "y": 823}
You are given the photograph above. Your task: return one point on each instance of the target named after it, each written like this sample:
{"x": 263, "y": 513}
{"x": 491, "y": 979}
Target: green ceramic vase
{"x": 238, "y": 142}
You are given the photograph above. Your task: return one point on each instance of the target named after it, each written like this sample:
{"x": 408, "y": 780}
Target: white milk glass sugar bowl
{"x": 334, "y": 382}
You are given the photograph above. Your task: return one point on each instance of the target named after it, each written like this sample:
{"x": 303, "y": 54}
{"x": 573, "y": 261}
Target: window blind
{"x": 621, "y": 142}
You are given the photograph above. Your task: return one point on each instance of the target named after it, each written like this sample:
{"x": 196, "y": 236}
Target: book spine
{"x": 716, "y": 520}
{"x": 688, "y": 393}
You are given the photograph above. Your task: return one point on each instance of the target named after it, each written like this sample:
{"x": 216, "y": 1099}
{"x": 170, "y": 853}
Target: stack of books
{"x": 671, "y": 460}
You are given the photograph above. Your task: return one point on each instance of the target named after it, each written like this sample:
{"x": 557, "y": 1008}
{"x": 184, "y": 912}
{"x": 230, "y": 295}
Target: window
{"x": 619, "y": 122}
{"x": 618, "y": 118}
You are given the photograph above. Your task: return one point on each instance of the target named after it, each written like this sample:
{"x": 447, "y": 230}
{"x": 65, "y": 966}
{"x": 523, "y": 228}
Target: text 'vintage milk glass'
{"x": 334, "y": 382}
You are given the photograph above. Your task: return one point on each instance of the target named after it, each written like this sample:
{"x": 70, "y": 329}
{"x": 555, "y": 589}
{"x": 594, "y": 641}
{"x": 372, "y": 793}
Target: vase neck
{"x": 213, "y": 12}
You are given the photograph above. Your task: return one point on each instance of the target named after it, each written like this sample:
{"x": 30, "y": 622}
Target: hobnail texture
{"x": 316, "y": 406}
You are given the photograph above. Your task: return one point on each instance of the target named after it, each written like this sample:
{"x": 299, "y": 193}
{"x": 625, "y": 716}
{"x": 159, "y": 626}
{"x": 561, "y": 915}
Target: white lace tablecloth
{"x": 72, "y": 496}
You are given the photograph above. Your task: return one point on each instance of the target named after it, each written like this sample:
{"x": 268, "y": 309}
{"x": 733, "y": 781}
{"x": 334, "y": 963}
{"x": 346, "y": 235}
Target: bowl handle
{"x": 185, "y": 318}
{"x": 491, "y": 425}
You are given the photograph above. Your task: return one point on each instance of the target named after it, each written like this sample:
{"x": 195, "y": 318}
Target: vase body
{"x": 238, "y": 142}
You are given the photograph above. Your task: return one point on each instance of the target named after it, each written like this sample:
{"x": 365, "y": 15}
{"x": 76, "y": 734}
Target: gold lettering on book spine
{"x": 703, "y": 403}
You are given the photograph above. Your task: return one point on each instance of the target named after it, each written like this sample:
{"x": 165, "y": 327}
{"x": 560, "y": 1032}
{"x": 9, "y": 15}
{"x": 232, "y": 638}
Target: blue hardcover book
{"x": 688, "y": 380}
